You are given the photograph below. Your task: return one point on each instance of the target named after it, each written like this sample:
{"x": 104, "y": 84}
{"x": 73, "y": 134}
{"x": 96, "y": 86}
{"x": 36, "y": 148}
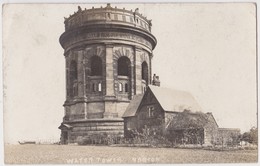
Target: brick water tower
{"x": 108, "y": 54}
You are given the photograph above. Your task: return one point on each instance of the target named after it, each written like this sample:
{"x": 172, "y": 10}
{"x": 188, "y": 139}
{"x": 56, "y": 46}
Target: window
{"x": 96, "y": 87}
{"x": 96, "y": 66}
{"x": 126, "y": 87}
{"x": 120, "y": 87}
{"x": 150, "y": 111}
{"x": 93, "y": 87}
{"x": 123, "y": 67}
{"x": 99, "y": 87}
{"x": 145, "y": 72}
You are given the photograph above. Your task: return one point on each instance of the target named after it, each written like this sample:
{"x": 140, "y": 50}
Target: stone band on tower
{"x": 108, "y": 54}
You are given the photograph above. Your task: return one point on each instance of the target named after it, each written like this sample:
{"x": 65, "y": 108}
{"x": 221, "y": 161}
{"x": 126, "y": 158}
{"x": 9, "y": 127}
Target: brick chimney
{"x": 156, "y": 80}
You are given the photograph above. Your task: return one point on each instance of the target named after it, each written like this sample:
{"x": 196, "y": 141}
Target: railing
{"x": 88, "y": 16}
{"x": 124, "y": 87}
{"x": 96, "y": 85}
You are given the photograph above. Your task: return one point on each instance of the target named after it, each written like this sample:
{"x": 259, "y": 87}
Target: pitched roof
{"x": 133, "y": 106}
{"x": 175, "y": 100}
{"x": 188, "y": 120}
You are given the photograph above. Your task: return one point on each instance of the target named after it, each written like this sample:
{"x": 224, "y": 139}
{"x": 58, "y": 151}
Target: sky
{"x": 206, "y": 49}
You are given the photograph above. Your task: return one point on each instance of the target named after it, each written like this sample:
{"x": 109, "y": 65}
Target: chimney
{"x": 156, "y": 81}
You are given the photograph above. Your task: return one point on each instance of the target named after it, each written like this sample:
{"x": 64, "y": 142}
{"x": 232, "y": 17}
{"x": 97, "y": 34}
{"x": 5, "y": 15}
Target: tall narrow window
{"x": 99, "y": 87}
{"x": 150, "y": 111}
{"x": 120, "y": 87}
{"x": 96, "y": 66}
{"x": 145, "y": 72}
{"x": 123, "y": 67}
{"x": 93, "y": 87}
{"x": 126, "y": 87}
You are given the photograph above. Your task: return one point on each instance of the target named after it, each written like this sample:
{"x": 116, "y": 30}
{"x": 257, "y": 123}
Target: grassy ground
{"x": 69, "y": 154}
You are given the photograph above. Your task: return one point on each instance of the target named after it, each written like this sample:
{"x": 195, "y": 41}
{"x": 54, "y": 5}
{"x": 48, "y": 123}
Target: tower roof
{"x": 175, "y": 100}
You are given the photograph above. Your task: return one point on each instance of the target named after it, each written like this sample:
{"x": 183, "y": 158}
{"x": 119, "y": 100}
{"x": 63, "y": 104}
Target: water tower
{"x": 108, "y": 54}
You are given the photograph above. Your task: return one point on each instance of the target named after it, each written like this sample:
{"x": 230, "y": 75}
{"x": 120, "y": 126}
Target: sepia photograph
{"x": 130, "y": 83}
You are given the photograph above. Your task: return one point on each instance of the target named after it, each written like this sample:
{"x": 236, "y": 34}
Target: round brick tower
{"x": 108, "y": 54}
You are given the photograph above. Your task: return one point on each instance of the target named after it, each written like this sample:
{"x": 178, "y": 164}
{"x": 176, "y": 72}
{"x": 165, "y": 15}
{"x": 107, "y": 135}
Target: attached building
{"x": 172, "y": 113}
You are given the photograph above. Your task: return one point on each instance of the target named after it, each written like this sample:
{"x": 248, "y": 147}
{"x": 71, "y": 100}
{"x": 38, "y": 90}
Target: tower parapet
{"x": 107, "y": 14}
{"x": 106, "y": 24}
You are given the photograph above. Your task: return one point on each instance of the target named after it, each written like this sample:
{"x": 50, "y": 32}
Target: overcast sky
{"x": 206, "y": 49}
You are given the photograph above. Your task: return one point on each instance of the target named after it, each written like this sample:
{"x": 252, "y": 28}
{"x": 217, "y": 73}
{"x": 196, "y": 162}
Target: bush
{"x": 101, "y": 139}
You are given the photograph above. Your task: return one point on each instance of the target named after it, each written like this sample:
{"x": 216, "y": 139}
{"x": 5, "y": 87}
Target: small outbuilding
{"x": 228, "y": 136}
{"x": 171, "y": 113}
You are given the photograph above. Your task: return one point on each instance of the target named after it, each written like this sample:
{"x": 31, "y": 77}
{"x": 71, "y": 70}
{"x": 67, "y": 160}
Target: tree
{"x": 251, "y": 136}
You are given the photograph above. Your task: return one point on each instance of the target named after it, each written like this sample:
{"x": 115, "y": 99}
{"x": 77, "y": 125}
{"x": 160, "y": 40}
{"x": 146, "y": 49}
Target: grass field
{"x": 69, "y": 154}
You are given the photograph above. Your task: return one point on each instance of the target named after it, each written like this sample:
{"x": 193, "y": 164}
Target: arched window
{"x": 96, "y": 66}
{"x": 123, "y": 67}
{"x": 145, "y": 72}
